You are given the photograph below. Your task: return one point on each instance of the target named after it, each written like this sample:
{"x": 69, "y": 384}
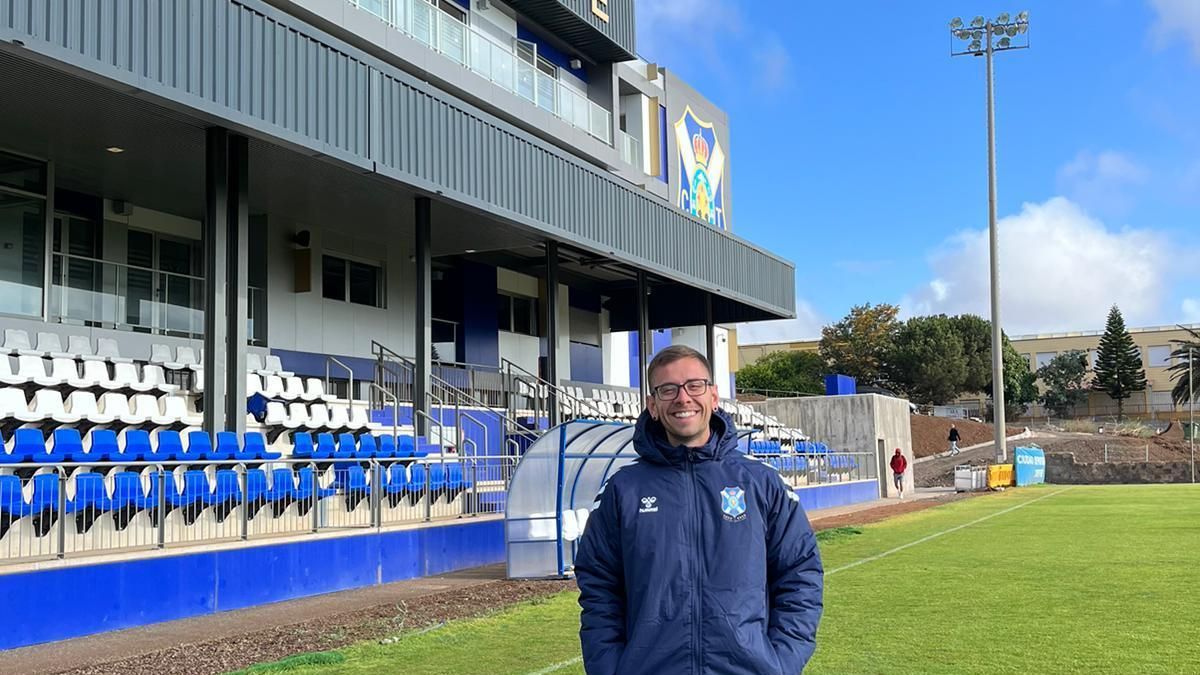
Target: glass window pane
{"x": 23, "y": 174}
{"x": 1159, "y": 356}
{"x": 366, "y": 287}
{"x": 333, "y": 278}
{"x": 523, "y": 316}
{"x": 22, "y": 254}
{"x": 1044, "y": 358}
{"x": 504, "y": 313}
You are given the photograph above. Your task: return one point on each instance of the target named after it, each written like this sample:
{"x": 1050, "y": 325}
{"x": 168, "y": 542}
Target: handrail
{"x": 348, "y": 369}
{"x": 559, "y": 391}
{"x": 395, "y": 409}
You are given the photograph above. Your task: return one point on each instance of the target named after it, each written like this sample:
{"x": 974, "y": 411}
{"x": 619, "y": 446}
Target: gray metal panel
{"x": 579, "y": 26}
{"x": 248, "y": 65}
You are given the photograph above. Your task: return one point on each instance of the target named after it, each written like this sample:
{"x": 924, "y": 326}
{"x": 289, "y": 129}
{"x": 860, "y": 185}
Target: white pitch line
{"x": 558, "y": 666}
{"x": 931, "y": 537}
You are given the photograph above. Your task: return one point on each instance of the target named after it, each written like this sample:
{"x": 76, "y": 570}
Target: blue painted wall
{"x": 308, "y": 364}
{"x": 479, "y": 334}
{"x": 587, "y": 363}
{"x": 68, "y": 602}
{"x": 838, "y": 494}
{"x": 659, "y": 340}
{"x": 664, "y": 161}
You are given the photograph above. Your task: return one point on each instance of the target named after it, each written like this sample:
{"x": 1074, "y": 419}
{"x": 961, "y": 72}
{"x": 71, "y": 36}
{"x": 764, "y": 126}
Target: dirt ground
{"x": 879, "y": 513}
{"x": 929, "y": 434}
{"x": 330, "y": 632}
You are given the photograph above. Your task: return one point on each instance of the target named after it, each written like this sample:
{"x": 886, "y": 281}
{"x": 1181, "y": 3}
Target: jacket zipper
{"x": 699, "y": 586}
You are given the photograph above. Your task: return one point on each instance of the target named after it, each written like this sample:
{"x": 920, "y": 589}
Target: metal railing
{"x": 528, "y": 392}
{"x": 122, "y": 296}
{"x": 492, "y": 60}
{"x": 802, "y": 469}
{"x": 81, "y": 509}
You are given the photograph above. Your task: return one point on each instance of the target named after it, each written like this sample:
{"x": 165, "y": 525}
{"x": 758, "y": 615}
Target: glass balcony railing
{"x": 492, "y": 60}
{"x": 631, "y": 149}
{"x": 110, "y": 294}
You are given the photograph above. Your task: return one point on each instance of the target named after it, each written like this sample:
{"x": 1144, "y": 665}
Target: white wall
{"x": 308, "y": 322}
{"x": 522, "y": 350}
{"x": 508, "y": 281}
{"x": 616, "y": 356}
{"x": 693, "y": 336}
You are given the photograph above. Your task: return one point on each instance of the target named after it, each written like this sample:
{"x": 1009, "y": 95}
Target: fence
{"x": 825, "y": 468}
{"x": 76, "y": 509}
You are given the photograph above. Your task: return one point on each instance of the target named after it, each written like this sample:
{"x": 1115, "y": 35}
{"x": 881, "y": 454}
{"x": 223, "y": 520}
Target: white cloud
{"x": 806, "y": 326}
{"x": 1101, "y": 181}
{"x": 1190, "y": 310}
{"x": 1059, "y": 270}
{"x": 1177, "y": 19}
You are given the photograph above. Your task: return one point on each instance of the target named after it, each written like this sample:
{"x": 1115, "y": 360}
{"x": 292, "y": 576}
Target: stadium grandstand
{"x": 295, "y": 285}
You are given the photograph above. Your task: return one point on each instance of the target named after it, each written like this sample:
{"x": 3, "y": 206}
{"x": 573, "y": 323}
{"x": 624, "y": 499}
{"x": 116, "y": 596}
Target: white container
{"x": 963, "y": 478}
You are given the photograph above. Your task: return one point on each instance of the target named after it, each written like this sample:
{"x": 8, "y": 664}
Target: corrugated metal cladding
{"x": 271, "y": 73}
{"x": 579, "y": 24}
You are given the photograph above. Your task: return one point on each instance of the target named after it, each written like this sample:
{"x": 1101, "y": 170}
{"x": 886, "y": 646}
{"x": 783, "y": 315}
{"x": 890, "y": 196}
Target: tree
{"x": 785, "y": 371}
{"x": 858, "y": 344}
{"x": 976, "y": 336}
{"x": 1064, "y": 380}
{"x": 927, "y": 360}
{"x": 1020, "y": 384}
{"x": 1119, "y": 370}
{"x": 1182, "y": 370}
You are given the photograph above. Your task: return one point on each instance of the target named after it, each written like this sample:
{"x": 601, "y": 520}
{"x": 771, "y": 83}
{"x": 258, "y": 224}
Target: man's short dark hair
{"x": 672, "y": 354}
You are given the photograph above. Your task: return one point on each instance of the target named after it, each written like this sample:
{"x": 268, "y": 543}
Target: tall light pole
{"x": 984, "y": 38}
{"x": 1191, "y": 415}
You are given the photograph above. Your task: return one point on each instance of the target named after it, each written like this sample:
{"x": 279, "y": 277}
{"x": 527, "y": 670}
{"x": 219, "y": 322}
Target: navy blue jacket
{"x": 697, "y": 560}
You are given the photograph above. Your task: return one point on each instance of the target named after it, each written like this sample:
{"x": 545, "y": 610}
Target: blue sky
{"x": 858, "y": 151}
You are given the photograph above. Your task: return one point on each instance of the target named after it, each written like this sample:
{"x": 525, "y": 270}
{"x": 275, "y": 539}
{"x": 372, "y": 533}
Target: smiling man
{"x": 696, "y": 558}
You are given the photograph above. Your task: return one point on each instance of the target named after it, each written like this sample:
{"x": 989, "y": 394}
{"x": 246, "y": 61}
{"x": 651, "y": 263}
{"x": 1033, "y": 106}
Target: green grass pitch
{"x": 1038, "y": 580}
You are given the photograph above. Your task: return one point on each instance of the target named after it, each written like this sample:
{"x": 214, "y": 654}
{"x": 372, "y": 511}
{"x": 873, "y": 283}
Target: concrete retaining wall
{"x": 1061, "y": 468}
{"x": 858, "y": 423}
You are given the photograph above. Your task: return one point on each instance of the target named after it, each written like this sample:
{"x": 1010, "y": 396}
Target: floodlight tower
{"x": 985, "y": 38}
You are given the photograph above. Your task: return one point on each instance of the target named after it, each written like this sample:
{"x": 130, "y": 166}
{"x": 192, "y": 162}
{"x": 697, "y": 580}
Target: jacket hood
{"x": 650, "y": 440}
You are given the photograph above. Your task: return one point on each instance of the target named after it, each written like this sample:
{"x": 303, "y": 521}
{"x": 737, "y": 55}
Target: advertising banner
{"x": 1030, "y": 466}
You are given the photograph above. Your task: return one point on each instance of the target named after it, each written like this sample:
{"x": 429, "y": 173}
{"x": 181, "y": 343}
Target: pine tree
{"x": 1119, "y": 371}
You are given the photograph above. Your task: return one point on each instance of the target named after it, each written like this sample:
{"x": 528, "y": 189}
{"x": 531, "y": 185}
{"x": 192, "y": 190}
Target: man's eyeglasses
{"x": 670, "y": 391}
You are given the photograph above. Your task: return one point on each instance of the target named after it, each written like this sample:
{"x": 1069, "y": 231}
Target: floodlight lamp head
{"x": 1002, "y": 17}
{"x": 977, "y": 22}
{"x": 1023, "y": 17}
{"x": 956, "y": 22}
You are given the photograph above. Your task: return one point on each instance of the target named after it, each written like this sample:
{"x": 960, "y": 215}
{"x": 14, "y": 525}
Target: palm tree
{"x": 1180, "y": 370}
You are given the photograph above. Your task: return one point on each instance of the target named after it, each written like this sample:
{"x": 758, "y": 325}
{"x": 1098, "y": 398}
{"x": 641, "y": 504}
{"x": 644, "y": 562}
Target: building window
{"x": 516, "y": 314}
{"x": 1158, "y": 356}
{"x": 22, "y": 235}
{"x": 1044, "y": 358}
{"x": 352, "y": 281}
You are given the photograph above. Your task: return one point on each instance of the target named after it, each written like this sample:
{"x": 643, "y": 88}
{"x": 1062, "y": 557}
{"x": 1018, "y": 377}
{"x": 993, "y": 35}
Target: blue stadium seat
{"x": 416, "y": 482}
{"x": 424, "y": 449}
{"x": 227, "y": 447}
{"x": 346, "y": 447}
{"x": 386, "y": 447}
{"x": 351, "y": 478}
{"x": 26, "y": 444}
{"x": 367, "y": 448}
{"x": 195, "y": 489}
{"x": 104, "y": 446}
{"x": 137, "y": 446}
{"x": 227, "y": 489}
{"x": 283, "y": 486}
{"x": 397, "y": 478}
{"x": 302, "y": 445}
{"x": 12, "y": 501}
{"x": 256, "y": 486}
{"x": 437, "y": 477}
{"x": 326, "y": 447}
{"x": 170, "y": 447}
{"x": 67, "y": 446}
{"x": 127, "y": 491}
{"x": 255, "y": 447}
{"x": 404, "y": 447}
{"x": 454, "y": 477}
{"x": 45, "y": 493}
{"x": 90, "y": 492}
{"x": 308, "y": 486}
{"x": 199, "y": 447}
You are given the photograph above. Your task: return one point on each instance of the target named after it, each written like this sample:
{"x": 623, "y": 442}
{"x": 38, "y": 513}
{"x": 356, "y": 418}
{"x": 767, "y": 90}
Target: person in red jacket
{"x": 899, "y": 466}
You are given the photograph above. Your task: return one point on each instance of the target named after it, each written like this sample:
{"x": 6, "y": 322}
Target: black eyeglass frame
{"x": 680, "y": 386}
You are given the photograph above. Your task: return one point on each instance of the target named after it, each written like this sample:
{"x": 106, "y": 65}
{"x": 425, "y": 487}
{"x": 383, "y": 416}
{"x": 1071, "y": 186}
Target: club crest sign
{"x": 701, "y": 169}
{"x": 733, "y": 503}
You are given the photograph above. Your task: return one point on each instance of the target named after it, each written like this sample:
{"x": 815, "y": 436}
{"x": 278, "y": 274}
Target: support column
{"x": 710, "y": 340}
{"x": 552, "y": 330}
{"x": 215, "y": 240}
{"x": 237, "y": 292}
{"x": 643, "y": 313}
{"x": 423, "y": 333}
